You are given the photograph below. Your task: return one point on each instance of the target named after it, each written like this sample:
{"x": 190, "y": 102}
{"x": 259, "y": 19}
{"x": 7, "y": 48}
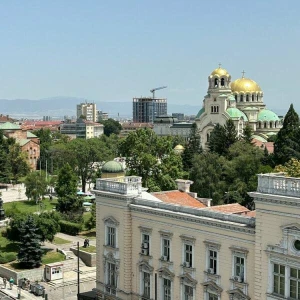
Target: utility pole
{"x": 78, "y": 275}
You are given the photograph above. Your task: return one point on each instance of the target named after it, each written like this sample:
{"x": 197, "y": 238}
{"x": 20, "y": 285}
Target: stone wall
{"x": 88, "y": 258}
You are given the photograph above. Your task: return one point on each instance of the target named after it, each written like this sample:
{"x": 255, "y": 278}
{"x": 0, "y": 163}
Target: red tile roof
{"x": 178, "y": 197}
{"x": 234, "y": 208}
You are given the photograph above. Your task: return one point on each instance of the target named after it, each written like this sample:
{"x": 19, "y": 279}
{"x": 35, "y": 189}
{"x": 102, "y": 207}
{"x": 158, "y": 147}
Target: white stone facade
{"x": 149, "y": 249}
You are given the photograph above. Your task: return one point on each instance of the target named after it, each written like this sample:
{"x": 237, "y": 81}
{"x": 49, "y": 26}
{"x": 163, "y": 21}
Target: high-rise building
{"x": 145, "y": 109}
{"x": 88, "y": 110}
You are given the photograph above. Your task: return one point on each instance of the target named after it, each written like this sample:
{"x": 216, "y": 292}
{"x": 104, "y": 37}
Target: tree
{"x": 222, "y": 137}
{"x": 91, "y": 222}
{"x": 36, "y": 185}
{"x": 291, "y": 168}
{"x": 111, "y": 126}
{"x": 287, "y": 144}
{"x": 5, "y": 167}
{"x": 192, "y": 147}
{"x": 48, "y": 226}
{"x": 247, "y": 134}
{"x": 30, "y": 252}
{"x": 18, "y": 162}
{"x": 152, "y": 158}
{"x": 66, "y": 184}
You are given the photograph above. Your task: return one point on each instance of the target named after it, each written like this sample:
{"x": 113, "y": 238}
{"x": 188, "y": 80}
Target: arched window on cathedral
{"x": 211, "y": 109}
{"x": 242, "y": 98}
{"x": 257, "y": 97}
{"x": 207, "y": 137}
{"x": 217, "y": 109}
{"x": 265, "y": 124}
{"x": 259, "y": 124}
{"x": 275, "y": 124}
{"x": 222, "y": 81}
{"x": 216, "y": 82}
{"x": 271, "y": 124}
{"x": 235, "y": 97}
{"x": 252, "y": 97}
{"x": 247, "y": 98}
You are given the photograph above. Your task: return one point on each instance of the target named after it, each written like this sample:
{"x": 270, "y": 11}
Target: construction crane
{"x": 159, "y": 88}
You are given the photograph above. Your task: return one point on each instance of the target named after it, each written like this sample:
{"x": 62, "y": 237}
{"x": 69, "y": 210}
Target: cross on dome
{"x": 220, "y": 65}
{"x": 243, "y": 74}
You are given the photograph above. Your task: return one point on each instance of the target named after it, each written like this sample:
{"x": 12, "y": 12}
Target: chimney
{"x": 184, "y": 185}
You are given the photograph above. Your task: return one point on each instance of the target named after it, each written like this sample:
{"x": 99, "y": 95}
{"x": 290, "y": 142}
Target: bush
{"x": 69, "y": 227}
{"x": 7, "y": 257}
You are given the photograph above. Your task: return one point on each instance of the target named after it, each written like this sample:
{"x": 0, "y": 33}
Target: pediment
{"x": 211, "y": 286}
{"x": 111, "y": 221}
{"x": 237, "y": 294}
{"x": 293, "y": 226}
{"x": 186, "y": 278}
{"x": 165, "y": 272}
{"x": 144, "y": 266}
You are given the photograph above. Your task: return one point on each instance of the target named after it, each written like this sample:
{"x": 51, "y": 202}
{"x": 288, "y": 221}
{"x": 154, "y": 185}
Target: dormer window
{"x": 222, "y": 81}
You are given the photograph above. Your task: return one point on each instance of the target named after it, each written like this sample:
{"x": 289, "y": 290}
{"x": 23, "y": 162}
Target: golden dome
{"x": 179, "y": 149}
{"x": 245, "y": 85}
{"x": 220, "y": 72}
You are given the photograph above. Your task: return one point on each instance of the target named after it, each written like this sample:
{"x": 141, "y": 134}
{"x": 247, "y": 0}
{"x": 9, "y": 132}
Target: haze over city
{"x": 114, "y": 51}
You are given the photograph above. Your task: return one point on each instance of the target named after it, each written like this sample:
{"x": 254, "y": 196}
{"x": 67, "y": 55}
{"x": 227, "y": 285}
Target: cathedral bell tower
{"x": 219, "y": 81}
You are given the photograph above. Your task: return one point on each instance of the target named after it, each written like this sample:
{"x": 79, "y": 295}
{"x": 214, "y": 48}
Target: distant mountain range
{"x": 66, "y": 106}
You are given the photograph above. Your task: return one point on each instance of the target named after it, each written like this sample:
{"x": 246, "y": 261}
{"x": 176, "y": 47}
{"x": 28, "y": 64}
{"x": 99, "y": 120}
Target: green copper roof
{"x": 267, "y": 115}
{"x": 9, "y": 126}
{"x": 112, "y": 167}
{"x": 22, "y": 142}
{"x": 236, "y": 113}
{"x": 231, "y": 98}
{"x": 30, "y": 135}
{"x": 201, "y": 111}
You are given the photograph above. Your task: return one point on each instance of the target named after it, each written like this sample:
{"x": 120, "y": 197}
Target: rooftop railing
{"x": 278, "y": 184}
{"x": 129, "y": 185}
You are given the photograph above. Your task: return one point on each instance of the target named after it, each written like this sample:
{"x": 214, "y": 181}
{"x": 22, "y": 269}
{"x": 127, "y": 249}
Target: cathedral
{"x": 241, "y": 101}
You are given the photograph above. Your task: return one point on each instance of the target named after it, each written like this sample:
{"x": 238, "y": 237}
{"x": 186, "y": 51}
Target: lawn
{"x": 89, "y": 249}
{"x": 29, "y": 206}
{"x": 7, "y": 246}
{"x": 60, "y": 241}
{"x": 52, "y": 257}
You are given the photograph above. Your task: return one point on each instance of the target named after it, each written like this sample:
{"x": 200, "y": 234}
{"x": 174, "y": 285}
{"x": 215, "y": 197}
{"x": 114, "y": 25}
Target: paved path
{"x": 14, "y": 193}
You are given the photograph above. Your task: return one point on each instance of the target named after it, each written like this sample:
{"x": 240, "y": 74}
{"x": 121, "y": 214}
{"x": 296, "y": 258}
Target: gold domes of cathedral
{"x": 219, "y": 72}
{"x": 245, "y": 85}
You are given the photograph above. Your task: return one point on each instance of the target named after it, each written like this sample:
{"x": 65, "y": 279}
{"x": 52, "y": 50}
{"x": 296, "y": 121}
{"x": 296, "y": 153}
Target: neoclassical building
{"x": 174, "y": 246}
{"x": 240, "y": 100}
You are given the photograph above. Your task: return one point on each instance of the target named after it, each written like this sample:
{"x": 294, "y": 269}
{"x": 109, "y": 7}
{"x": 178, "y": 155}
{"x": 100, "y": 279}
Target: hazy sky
{"x": 116, "y": 50}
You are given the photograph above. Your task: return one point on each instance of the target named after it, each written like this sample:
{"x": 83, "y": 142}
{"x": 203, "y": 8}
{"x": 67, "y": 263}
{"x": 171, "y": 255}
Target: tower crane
{"x": 155, "y": 89}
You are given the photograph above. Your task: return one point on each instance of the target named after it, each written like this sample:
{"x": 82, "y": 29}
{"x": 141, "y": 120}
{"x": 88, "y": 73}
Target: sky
{"x": 117, "y": 50}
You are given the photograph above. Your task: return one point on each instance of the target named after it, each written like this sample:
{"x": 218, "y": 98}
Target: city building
{"x": 28, "y": 142}
{"x": 173, "y": 245}
{"x": 81, "y": 129}
{"x": 169, "y": 126}
{"x": 145, "y": 109}
{"x": 102, "y": 116}
{"x": 240, "y": 100}
{"x": 178, "y": 116}
{"x": 88, "y": 110}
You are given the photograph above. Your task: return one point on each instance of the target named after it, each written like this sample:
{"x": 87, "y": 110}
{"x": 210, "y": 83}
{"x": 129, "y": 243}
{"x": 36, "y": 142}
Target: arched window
{"x": 271, "y": 124}
{"x": 212, "y": 109}
{"x": 222, "y": 81}
{"x": 252, "y": 97}
{"x": 265, "y": 124}
{"x": 207, "y": 137}
{"x": 217, "y": 109}
{"x": 275, "y": 124}
{"x": 257, "y": 97}
{"x": 247, "y": 98}
{"x": 235, "y": 97}
{"x": 216, "y": 82}
{"x": 242, "y": 98}
{"x": 259, "y": 124}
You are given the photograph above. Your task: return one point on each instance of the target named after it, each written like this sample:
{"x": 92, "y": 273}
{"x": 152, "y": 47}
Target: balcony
{"x": 129, "y": 185}
{"x": 278, "y": 184}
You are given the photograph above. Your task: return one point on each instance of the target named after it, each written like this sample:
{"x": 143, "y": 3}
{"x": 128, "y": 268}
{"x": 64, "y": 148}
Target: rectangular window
{"x": 294, "y": 283}
{"x": 146, "y": 285}
{"x": 111, "y": 279}
{"x": 239, "y": 264}
{"x": 111, "y": 236}
{"x": 213, "y": 255}
{"x": 166, "y": 249}
{"x": 167, "y": 289}
{"x": 145, "y": 244}
{"x": 212, "y": 296}
{"x": 188, "y": 255}
{"x": 188, "y": 292}
{"x": 279, "y": 279}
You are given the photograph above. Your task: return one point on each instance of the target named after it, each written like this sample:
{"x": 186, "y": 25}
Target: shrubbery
{"x": 69, "y": 227}
{"x": 7, "y": 257}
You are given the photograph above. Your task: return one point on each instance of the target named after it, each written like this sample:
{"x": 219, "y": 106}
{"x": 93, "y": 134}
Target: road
{"x": 5, "y": 297}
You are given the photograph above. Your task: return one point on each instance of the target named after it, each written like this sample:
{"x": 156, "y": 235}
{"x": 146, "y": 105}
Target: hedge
{"x": 7, "y": 257}
{"x": 69, "y": 227}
